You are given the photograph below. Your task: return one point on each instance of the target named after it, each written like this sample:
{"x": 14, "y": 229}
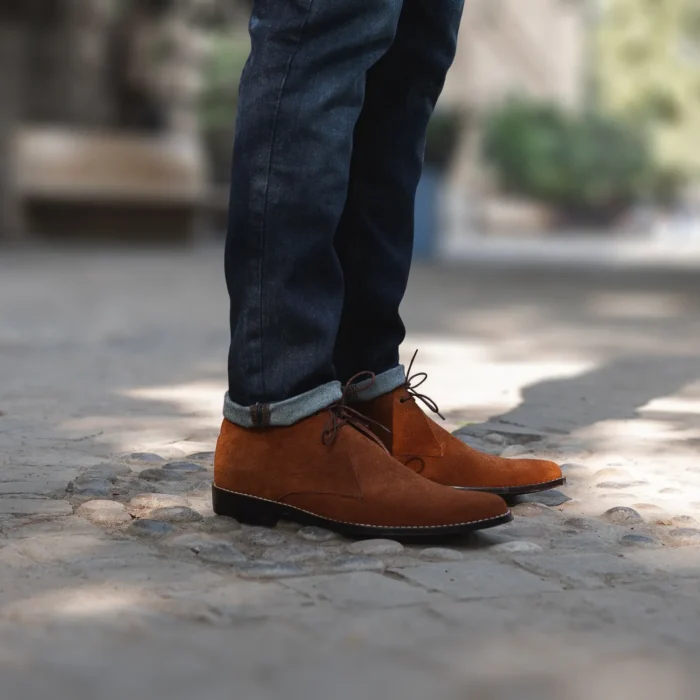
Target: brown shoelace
{"x": 413, "y": 382}
{"x": 341, "y": 415}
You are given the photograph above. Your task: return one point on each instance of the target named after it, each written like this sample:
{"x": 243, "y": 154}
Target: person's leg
{"x": 301, "y": 94}
{"x": 289, "y": 445}
{"x": 375, "y": 237}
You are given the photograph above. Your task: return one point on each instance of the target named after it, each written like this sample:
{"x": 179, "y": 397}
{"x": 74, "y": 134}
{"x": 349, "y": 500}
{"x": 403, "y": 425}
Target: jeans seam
{"x": 273, "y": 139}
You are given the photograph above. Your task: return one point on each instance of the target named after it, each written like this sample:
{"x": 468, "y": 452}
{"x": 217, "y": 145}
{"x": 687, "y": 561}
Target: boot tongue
{"x": 412, "y": 432}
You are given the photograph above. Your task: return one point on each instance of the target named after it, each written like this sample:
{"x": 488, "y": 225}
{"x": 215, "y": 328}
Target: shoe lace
{"x": 341, "y": 415}
{"x": 413, "y": 382}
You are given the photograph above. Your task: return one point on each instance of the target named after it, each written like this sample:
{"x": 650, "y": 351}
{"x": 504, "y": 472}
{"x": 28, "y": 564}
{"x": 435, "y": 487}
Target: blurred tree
{"x": 648, "y": 68}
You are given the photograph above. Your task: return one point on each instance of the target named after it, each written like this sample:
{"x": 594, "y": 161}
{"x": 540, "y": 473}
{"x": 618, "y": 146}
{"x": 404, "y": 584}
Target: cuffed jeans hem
{"x": 287, "y": 412}
{"x": 367, "y": 390}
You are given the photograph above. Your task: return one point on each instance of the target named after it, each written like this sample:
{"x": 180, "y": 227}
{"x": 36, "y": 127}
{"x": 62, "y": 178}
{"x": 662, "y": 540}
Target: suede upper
{"x": 420, "y": 443}
{"x": 352, "y": 479}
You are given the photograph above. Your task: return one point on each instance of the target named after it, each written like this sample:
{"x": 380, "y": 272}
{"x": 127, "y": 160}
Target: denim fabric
{"x": 370, "y": 389}
{"x": 334, "y": 103}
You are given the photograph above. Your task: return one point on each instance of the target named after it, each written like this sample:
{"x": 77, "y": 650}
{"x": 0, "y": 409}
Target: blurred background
{"x": 567, "y": 128}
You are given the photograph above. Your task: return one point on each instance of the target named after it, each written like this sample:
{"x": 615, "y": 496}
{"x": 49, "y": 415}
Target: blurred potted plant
{"x": 444, "y": 130}
{"x": 589, "y": 168}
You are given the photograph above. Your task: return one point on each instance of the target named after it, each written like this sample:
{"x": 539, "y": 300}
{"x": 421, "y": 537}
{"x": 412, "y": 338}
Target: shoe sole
{"x": 515, "y": 490}
{"x": 251, "y": 510}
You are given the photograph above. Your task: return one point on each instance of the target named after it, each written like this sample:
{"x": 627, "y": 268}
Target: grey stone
{"x": 572, "y": 470}
{"x": 183, "y": 467}
{"x": 517, "y": 547}
{"x": 148, "y": 457}
{"x": 441, "y": 554}
{"x": 581, "y": 523}
{"x": 622, "y": 515}
{"x": 669, "y": 490}
{"x": 176, "y": 514}
{"x": 217, "y": 523}
{"x": 34, "y": 506}
{"x": 32, "y": 487}
{"x": 356, "y": 563}
{"x": 684, "y": 520}
{"x": 111, "y": 472}
{"x": 145, "y": 502}
{"x": 207, "y": 548}
{"x": 264, "y": 538}
{"x": 485, "y": 578}
{"x": 361, "y": 589}
{"x": 685, "y": 535}
{"x": 202, "y": 457}
{"x": 90, "y": 487}
{"x": 515, "y": 451}
{"x": 550, "y": 498}
{"x": 532, "y": 510}
{"x": 376, "y": 547}
{"x": 316, "y": 534}
{"x": 619, "y": 485}
{"x": 264, "y": 570}
{"x": 634, "y": 540}
{"x": 495, "y": 439}
{"x": 104, "y": 512}
{"x": 294, "y": 554}
{"x": 160, "y": 475}
{"x": 151, "y": 528}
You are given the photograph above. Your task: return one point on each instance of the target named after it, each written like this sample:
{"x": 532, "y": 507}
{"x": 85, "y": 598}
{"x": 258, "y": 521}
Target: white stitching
{"x": 378, "y": 527}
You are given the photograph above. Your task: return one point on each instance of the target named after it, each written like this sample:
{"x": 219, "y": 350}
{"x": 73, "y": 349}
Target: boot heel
{"x": 246, "y": 509}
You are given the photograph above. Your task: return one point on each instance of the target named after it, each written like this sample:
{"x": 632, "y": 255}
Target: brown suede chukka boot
{"x": 421, "y": 444}
{"x": 329, "y": 470}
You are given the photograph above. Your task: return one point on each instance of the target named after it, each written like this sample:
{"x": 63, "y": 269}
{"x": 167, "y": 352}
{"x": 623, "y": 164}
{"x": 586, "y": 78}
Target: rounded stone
{"x": 495, "y": 439}
{"x": 376, "y": 547}
{"x": 104, "y": 512}
{"x": 211, "y": 549}
{"x": 151, "y": 528}
{"x": 111, "y": 472}
{"x": 270, "y": 570}
{"x": 550, "y": 498}
{"x": 183, "y": 467}
{"x": 685, "y": 535}
{"x": 316, "y": 534}
{"x": 635, "y": 540}
{"x": 517, "y": 547}
{"x": 684, "y": 520}
{"x": 217, "y": 523}
{"x": 573, "y": 469}
{"x": 670, "y": 491}
{"x": 145, "y": 502}
{"x": 264, "y": 538}
{"x": 294, "y": 554}
{"x": 202, "y": 457}
{"x": 612, "y": 474}
{"x": 160, "y": 475}
{"x": 514, "y": 451}
{"x": 148, "y": 457}
{"x": 532, "y": 510}
{"x": 90, "y": 487}
{"x": 580, "y": 523}
{"x": 176, "y": 514}
{"x": 622, "y": 516}
{"x": 441, "y": 554}
{"x": 620, "y": 484}
{"x": 356, "y": 563}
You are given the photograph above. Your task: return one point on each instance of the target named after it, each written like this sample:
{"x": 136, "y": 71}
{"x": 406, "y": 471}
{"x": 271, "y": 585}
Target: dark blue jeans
{"x": 334, "y": 104}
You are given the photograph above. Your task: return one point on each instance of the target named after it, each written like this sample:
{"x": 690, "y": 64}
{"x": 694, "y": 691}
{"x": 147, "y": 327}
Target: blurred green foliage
{"x": 589, "y": 167}
{"x": 648, "y": 69}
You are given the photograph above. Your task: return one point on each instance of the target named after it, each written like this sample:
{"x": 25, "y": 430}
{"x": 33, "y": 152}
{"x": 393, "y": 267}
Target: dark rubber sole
{"x": 516, "y": 490}
{"x": 251, "y": 510}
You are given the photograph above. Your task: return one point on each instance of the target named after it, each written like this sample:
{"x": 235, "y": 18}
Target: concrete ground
{"x": 116, "y": 579}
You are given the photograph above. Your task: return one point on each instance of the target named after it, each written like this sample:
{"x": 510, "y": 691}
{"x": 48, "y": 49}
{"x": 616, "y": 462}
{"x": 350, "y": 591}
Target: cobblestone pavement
{"x": 117, "y": 580}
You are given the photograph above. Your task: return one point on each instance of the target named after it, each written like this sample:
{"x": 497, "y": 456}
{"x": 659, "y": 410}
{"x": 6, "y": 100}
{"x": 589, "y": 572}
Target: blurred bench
{"x": 107, "y": 186}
